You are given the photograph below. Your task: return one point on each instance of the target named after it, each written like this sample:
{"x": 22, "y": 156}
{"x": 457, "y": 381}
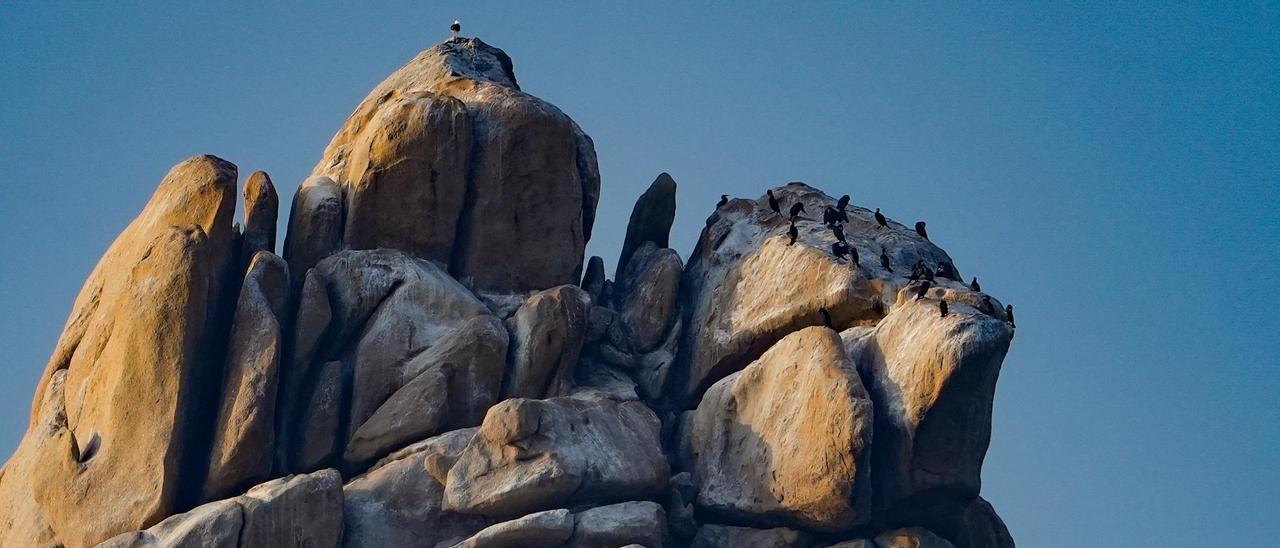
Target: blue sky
{"x": 1109, "y": 168}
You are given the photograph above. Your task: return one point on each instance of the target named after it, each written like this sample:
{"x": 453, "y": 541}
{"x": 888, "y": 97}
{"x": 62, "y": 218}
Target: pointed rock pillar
{"x": 651, "y": 220}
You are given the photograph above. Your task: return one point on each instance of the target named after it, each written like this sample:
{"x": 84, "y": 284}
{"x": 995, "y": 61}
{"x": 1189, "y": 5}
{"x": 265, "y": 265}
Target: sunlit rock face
{"x": 425, "y": 363}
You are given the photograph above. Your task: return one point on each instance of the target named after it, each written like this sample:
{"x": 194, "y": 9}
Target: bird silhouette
{"x": 793, "y": 232}
{"x": 884, "y": 260}
{"x": 724, "y": 199}
{"x": 773, "y": 203}
{"x": 921, "y": 231}
{"x": 923, "y": 289}
{"x": 455, "y": 28}
{"x": 838, "y": 230}
{"x": 853, "y": 256}
{"x": 988, "y": 308}
{"x": 796, "y": 210}
{"x": 839, "y": 249}
{"x": 942, "y": 307}
{"x": 830, "y": 216}
{"x": 884, "y": 223}
{"x": 843, "y": 202}
{"x": 974, "y": 284}
{"x": 1008, "y": 310}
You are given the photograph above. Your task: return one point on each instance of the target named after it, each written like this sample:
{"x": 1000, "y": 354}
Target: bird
{"x": 830, "y": 216}
{"x": 1008, "y": 310}
{"x": 838, "y": 230}
{"x": 881, "y": 220}
{"x": 921, "y": 231}
{"x": 988, "y": 308}
{"x": 773, "y": 203}
{"x": 843, "y": 202}
{"x": 455, "y": 28}
{"x": 942, "y": 307}
{"x": 826, "y": 318}
{"x": 948, "y": 271}
{"x": 917, "y": 271}
{"x": 724, "y": 199}
{"x": 796, "y": 210}
{"x": 923, "y": 290}
{"x": 974, "y": 284}
{"x": 840, "y": 250}
{"x": 793, "y": 232}
{"x": 884, "y": 260}
{"x": 853, "y": 256}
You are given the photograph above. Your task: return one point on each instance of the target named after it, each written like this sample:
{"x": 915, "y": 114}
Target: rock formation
{"x": 427, "y": 364}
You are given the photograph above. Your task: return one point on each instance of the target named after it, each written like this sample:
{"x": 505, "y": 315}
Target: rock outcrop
{"x": 426, "y": 364}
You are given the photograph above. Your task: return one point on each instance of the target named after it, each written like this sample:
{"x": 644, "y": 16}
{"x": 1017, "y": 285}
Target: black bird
{"x": 942, "y": 307}
{"x": 974, "y": 284}
{"x": 773, "y": 203}
{"x": 1008, "y": 310}
{"x": 456, "y": 27}
{"x": 838, "y": 230}
{"x": 923, "y": 290}
{"x": 724, "y": 199}
{"x": 843, "y": 202}
{"x": 948, "y": 271}
{"x": 884, "y": 260}
{"x": 840, "y": 250}
{"x": 830, "y": 216}
{"x": 988, "y": 308}
{"x": 917, "y": 271}
{"x": 853, "y": 256}
{"x": 826, "y": 318}
{"x": 880, "y": 219}
{"x": 921, "y": 231}
{"x": 796, "y": 210}
{"x": 793, "y": 233}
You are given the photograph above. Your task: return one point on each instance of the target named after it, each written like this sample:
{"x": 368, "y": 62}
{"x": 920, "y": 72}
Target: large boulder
{"x": 933, "y": 380}
{"x": 315, "y": 224}
{"x": 547, "y": 334}
{"x": 649, "y": 289}
{"x": 384, "y": 319}
{"x": 398, "y": 502}
{"x": 725, "y": 536}
{"x": 651, "y": 219}
{"x": 636, "y": 522}
{"x": 244, "y": 434}
{"x": 261, "y": 205}
{"x": 301, "y": 510}
{"x": 449, "y": 160}
{"x": 981, "y": 527}
{"x": 546, "y": 529}
{"x": 105, "y": 449}
{"x": 910, "y": 537}
{"x": 786, "y": 441}
{"x": 744, "y": 287}
{"x": 533, "y": 455}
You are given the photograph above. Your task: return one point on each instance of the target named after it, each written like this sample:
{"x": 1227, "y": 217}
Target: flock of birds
{"x": 921, "y": 275}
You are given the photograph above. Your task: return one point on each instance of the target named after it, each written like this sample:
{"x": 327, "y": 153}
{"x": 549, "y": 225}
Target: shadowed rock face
{"x": 426, "y": 367}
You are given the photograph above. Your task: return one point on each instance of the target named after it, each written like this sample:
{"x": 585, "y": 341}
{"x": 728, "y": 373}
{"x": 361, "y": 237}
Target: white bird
{"x": 455, "y": 28}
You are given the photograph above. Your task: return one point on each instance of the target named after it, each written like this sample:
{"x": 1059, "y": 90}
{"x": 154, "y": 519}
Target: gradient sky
{"x": 1111, "y": 169}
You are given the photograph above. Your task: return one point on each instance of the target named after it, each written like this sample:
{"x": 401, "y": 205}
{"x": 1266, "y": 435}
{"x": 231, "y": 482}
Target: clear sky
{"x": 1112, "y": 169}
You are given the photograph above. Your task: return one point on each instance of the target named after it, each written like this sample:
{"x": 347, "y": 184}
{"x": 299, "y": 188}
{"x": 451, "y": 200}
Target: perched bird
{"x": 830, "y": 216}
{"x": 988, "y": 308}
{"x": 840, "y": 250}
{"x": 724, "y": 199}
{"x": 920, "y": 271}
{"x": 1008, "y": 310}
{"x": 455, "y": 28}
{"x": 948, "y": 271}
{"x": 853, "y": 256}
{"x": 838, "y": 230}
{"x": 884, "y": 223}
{"x": 793, "y": 233}
{"x": 796, "y": 210}
{"x": 974, "y": 284}
{"x": 920, "y": 230}
{"x": 773, "y": 203}
{"x": 884, "y": 260}
{"x": 843, "y": 202}
{"x": 942, "y": 307}
{"x": 923, "y": 290}
{"x": 826, "y": 318}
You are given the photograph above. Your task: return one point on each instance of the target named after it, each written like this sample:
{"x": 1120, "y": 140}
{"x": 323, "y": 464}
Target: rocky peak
{"x": 474, "y": 59}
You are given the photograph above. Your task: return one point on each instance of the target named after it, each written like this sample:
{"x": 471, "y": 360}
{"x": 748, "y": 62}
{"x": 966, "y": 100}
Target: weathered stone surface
{"x": 244, "y": 434}
{"x": 106, "y": 456}
{"x": 912, "y": 537}
{"x": 392, "y": 317}
{"x": 785, "y": 441}
{"x": 547, "y": 331}
{"x": 448, "y": 159}
{"x": 261, "y": 204}
{"x": 859, "y": 543}
{"x": 744, "y": 287}
{"x": 301, "y": 510}
{"x": 724, "y": 536}
{"x": 533, "y": 455}
{"x": 651, "y": 220}
{"x": 649, "y": 288}
{"x": 638, "y": 522}
{"x": 315, "y": 224}
{"x": 933, "y": 380}
{"x": 547, "y": 529}
{"x": 398, "y": 501}
{"x": 981, "y": 527}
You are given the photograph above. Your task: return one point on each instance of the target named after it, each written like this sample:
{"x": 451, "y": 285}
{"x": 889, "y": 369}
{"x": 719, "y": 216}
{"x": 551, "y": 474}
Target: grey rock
{"x": 547, "y": 529}
{"x": 635, "y": 522}
{"x": 315, "y": 224}
{"x": 261, "y": 205}
{"x": 650, "y": 286}
{"x": 911, "y": 537}
{"x": 724, "y": 536}
{"x": 593, "y": 279}
{"x": 651, "y": 219}
{"x": 548, "y": 332}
